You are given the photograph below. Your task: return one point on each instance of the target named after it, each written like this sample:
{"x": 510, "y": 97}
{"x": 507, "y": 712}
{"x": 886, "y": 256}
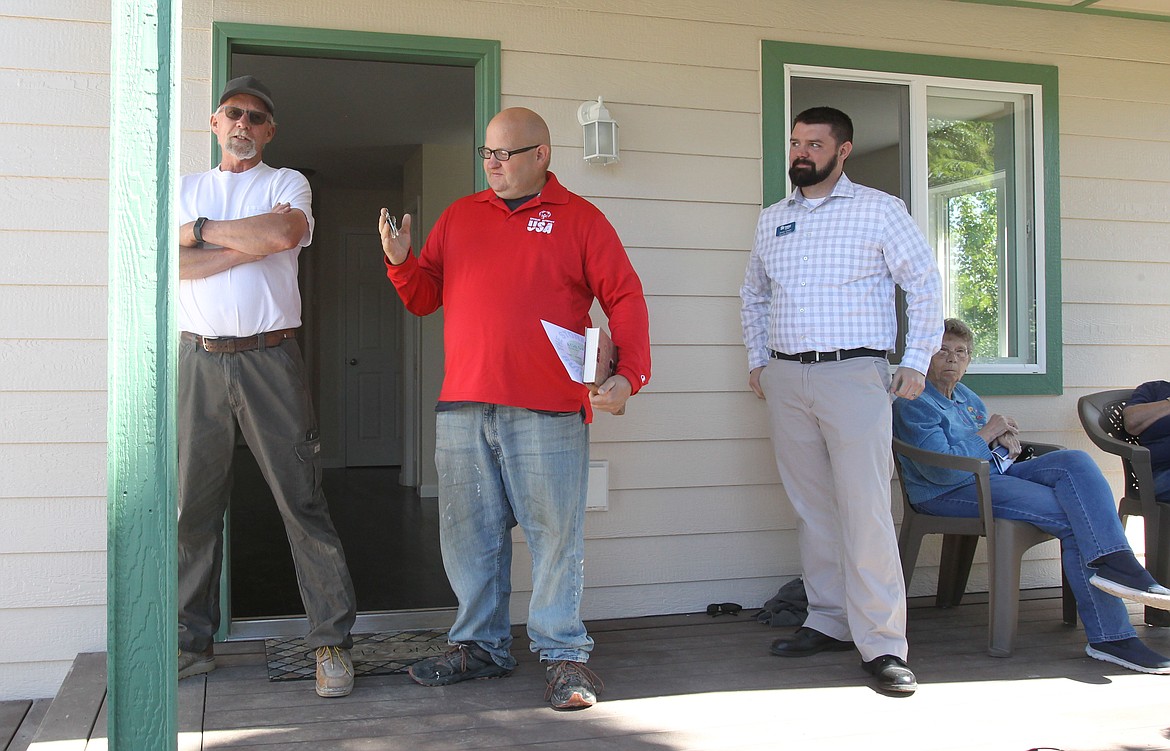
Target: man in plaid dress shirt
{"x": 818, "y": 321}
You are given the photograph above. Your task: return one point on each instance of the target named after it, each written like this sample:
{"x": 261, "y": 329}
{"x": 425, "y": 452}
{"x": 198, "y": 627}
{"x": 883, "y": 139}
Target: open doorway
{"x": 368, "y": 134}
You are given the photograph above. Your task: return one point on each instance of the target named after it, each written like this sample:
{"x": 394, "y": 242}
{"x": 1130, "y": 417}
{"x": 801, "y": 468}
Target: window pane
{"x": 978, "y": 160}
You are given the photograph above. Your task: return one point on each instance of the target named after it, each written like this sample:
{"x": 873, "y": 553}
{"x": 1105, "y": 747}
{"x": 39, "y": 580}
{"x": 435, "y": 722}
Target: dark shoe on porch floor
{"x": 195, "y": 663}
{"x": 1130, "y": 653}
{"x": 891, "y": 674}
{"x": 463, "y": 662}
{"x": 807, "y": 641}
{"x": 571, "y": 685}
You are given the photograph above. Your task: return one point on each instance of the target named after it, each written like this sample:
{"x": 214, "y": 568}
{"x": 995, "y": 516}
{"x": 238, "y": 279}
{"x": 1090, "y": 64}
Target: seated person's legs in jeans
{"x": 1064, "y": 494}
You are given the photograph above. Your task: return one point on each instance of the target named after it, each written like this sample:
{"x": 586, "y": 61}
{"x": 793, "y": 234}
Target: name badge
{"x": 785, "y": 229}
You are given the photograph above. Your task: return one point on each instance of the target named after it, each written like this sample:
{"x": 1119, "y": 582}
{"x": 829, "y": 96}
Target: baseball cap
{"x": 248, "y": 85}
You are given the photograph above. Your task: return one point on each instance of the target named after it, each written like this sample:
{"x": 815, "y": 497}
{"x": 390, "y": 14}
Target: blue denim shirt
{"x": 947, "y": 426}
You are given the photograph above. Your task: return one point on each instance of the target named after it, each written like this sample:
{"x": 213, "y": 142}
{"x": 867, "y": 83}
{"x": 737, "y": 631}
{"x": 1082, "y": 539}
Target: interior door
{"x": 373, "y": 374}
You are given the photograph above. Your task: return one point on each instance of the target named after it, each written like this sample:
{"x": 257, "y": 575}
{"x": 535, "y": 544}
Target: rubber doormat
{"x": 373, "y": 654}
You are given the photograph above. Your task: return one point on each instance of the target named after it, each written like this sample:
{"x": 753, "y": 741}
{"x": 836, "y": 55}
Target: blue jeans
{"x": 1064, "y": 494}
{"x": 499, "y": 466}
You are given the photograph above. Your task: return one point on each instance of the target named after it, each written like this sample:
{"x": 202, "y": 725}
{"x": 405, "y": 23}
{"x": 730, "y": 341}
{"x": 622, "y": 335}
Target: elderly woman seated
{"x": 1062, "y": 493}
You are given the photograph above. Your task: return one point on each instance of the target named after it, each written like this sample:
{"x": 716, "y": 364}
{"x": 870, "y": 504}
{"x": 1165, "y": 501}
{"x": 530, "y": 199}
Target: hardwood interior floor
{"x": 390, "y": 536}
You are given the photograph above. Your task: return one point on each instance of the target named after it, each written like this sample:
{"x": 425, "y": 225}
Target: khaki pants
{"x": 262, "y": 394}
{"x": 831, "y": 434}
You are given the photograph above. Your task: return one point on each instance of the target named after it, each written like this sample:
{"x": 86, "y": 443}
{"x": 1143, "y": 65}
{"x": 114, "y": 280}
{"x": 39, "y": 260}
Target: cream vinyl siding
{"x": 54, "y": 72}
{"x": 696, "y": 514}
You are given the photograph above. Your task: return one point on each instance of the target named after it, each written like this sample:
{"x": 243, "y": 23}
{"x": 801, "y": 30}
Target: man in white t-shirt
{"x": 241, "y": 371}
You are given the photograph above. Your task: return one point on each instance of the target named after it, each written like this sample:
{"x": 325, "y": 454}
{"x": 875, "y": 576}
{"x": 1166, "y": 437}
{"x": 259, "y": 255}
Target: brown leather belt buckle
{"x": 232, "y": 345}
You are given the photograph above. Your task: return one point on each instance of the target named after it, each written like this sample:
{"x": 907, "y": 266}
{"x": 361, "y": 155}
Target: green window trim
{"x": 775, "y": 56}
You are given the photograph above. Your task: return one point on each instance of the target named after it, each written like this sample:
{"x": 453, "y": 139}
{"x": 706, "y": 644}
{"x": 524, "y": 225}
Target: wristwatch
{"x": 197, "y": 230}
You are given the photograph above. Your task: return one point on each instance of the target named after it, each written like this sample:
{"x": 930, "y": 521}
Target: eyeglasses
{"x": 255, "y": 117}
{"x": 960, "y": 353}
{"x": 503, "y": 154}
{"x": 724, "y": 608}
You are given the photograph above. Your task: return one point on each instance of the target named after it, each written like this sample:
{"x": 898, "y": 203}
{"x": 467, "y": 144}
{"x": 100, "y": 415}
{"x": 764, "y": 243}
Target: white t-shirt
{"x": 254, "y": 297}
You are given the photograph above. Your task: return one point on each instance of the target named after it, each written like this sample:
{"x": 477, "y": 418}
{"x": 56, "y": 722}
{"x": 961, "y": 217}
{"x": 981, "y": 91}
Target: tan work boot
{"x": 195, "y": 663}
{"x": 334, "y": 672}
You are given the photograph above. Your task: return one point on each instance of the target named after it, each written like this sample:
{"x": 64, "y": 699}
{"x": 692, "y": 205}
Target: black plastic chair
{"x": 1101, "y": 417}
{"x": 1007, "y": 541}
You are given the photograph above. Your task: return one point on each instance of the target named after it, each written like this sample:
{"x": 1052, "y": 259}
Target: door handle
{"x": 353, "y": 361}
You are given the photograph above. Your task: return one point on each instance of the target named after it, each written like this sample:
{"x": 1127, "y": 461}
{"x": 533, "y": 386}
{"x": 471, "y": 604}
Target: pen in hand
{"x": 393, "y": 226}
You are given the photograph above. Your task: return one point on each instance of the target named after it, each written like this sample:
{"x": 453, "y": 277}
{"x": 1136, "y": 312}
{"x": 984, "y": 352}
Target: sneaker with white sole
{"x": 334, "y": 672}
{"x": 1137, "y": 586}
{"x": 195, "y": 663}
{"x": 1130, "y": 653}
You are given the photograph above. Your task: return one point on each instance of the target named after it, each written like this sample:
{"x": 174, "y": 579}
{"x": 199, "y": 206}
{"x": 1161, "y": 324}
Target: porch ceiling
{"x": 1154, "y": 10}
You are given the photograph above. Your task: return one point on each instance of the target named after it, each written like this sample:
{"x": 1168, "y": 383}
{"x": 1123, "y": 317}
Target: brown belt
{"x": 218, "y": 344}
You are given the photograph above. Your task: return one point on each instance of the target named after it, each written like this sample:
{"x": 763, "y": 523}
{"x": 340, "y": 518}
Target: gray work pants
{"x": 263, "y": 394}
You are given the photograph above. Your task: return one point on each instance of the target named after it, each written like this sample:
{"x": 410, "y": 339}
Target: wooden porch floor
{"x": 697, "y": 682}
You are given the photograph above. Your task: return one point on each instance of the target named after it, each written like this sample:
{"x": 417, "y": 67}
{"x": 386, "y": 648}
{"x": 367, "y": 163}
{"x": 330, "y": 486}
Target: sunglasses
{"x": 723, "y": 608}
{"x": 255, "y": 117}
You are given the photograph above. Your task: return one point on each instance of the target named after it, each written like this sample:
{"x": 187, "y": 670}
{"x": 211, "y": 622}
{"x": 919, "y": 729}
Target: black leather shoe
{"x": 808, "y": 641}
{"x": 891, "y": 674}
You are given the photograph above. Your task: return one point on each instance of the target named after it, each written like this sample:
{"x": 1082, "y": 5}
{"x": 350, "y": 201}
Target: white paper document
{"x": 570, "y": 347}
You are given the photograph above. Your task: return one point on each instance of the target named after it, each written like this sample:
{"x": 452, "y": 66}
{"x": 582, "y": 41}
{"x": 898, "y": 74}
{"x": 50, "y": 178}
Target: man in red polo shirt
{"x": 512, "y": 428}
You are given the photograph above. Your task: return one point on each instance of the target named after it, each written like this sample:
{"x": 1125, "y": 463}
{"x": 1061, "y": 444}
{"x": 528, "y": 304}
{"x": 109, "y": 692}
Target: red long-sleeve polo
{"x": 497, "y": 273}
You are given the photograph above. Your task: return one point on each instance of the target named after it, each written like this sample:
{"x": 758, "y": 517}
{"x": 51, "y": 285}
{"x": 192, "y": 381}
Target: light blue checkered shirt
{"x": 823, "y": 278}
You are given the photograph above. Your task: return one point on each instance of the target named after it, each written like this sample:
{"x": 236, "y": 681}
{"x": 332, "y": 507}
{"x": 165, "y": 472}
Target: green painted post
{"x": 142, "y": 463}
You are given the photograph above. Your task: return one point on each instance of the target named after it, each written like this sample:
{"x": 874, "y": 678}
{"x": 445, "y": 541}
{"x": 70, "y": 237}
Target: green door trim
{"x": 481, "y": 54}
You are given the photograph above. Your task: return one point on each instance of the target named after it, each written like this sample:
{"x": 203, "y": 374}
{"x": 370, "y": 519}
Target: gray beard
{"x": 241, "y": 149}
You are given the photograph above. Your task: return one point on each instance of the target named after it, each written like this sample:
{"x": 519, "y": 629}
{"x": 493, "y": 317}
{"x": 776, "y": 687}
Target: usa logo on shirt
{"x": 541, "y": 223}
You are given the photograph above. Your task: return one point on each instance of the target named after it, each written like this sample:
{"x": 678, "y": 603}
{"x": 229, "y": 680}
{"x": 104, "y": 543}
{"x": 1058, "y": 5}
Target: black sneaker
{"x": 1130, "y": 653}
{"x": 571, "y": 685}
{"x": 463, "y": 662}
{"x": 1136, "y": 585}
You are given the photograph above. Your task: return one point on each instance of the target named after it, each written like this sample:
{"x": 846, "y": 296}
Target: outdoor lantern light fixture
{"x": 601, "y": 141}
